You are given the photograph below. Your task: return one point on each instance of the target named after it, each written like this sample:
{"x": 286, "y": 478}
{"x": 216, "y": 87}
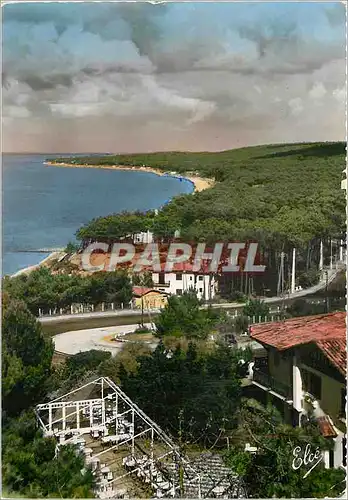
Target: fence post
{"x": 92, "y": 308}
{"x": 121, "y": 305}
{"x": 112, "y": 306}
{"x": 103, "y": 306}
{"x": 253, "y": 320}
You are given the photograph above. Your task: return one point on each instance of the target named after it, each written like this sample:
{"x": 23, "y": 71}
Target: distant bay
{"x": 43, "y": 206}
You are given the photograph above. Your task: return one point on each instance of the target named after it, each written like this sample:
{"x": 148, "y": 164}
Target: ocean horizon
{"x": 43, "y": 206}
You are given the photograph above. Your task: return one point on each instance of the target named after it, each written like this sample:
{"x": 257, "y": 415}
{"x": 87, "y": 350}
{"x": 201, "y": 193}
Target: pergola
{"x": 114, "y": 433}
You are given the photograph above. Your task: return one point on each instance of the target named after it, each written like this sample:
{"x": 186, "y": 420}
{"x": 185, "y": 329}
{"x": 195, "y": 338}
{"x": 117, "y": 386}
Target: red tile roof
{"x": 335, "y": 351}
{"x": 327, "y": 331}
{"x": 326, "y": 427}
{"x": 143, "y": 290}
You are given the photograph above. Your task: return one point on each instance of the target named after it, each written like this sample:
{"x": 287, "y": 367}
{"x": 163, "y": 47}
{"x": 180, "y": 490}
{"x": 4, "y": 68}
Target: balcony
{"x": 265, "y": 381}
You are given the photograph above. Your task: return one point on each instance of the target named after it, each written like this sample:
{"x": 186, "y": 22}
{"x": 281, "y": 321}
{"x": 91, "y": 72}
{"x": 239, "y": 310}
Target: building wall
{"x": 280, "y": 367}
{"x": 330, "y": 400}
{"x": 151, "y": 300}
{"x": 187, "y": 281}
{"x": 289, "y": 370}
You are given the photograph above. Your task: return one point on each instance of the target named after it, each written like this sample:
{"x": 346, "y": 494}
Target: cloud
{"x": 170, "y": 76}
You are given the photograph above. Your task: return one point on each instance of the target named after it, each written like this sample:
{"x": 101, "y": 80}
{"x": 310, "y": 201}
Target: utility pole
{"x": 293, "y": 271}
{"x": 280, "y": 289}
{"x": 181, "y": 468}
{"x": 331, "y": 253}
{"x": 321, "y": 260}
{"x": 327, "y": 291}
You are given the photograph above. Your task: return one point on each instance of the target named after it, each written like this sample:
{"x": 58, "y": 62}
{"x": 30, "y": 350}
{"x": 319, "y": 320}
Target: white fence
{"x": 84, "y": 308}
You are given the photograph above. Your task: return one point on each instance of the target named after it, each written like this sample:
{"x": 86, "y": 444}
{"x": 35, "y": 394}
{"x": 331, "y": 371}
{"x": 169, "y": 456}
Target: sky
{"x": 138, "y": 77}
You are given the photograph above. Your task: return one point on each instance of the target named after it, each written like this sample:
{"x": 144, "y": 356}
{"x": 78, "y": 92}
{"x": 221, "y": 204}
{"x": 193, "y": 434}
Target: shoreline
{"x": 27, "y": 270}
{"x": 199, "y": 183}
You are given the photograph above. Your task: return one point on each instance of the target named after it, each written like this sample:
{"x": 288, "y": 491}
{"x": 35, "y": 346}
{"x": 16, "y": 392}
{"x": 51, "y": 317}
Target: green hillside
{"x": 282, "y": 195}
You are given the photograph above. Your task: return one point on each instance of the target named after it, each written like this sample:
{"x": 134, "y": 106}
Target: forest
{"x": 43, "y": 289}
{"x": 191, "y": 388}
{"x": 282, "y": 196}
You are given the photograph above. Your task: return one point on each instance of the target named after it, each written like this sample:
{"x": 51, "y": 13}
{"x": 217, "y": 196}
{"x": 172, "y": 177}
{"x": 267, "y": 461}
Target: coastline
{"x": 199, "y": 183}
{"x": 47, "y": 260}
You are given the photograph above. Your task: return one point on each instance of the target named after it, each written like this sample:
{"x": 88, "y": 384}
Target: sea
{"x": 43, "y": 206}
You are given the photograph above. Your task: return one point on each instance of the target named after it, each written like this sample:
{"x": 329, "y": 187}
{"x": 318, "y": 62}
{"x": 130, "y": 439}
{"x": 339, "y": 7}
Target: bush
{"x": 86, "y": 361}
{"x": 72, "y": 247}
{"x": 142, "y": 329}
{"x": 309, "y": 278}
{"x": 257, "y": 308}
{"x": 241, "y": 324}
{"x": 301, "y": 307}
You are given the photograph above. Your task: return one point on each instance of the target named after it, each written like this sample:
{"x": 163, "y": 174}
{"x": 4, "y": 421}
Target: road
{"x": 76, "y": 341}
{"x": 53, "y": 325}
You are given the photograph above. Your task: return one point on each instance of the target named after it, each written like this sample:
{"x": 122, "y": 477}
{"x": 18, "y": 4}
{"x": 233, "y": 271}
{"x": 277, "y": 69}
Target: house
{"x": 305, "y": 374}
{"x": 183, "y": 278}
{"x": 148, "y": 298}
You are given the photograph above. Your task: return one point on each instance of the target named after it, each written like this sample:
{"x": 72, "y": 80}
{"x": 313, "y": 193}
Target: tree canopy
{"x": 27, "y": 357}
{"x": 284, "y": 194}
{"x": 268, "y": 472}
{"x": 182, "y": 316}
{"x": 43, "y": 289}
{"x": 193, "y": 394}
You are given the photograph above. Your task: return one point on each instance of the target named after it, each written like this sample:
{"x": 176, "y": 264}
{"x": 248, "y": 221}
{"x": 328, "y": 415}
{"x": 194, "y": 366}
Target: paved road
{"x": 53, "y": 325}
{"x": 134, "y": 313}
{"x": 97, "y": 324}
{"x": 76, "y": 341}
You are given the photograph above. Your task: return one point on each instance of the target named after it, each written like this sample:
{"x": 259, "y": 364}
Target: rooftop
{"x": 325, "y": 426}
{"x": 327, "y": 331}
{"x": 143, "y": 290}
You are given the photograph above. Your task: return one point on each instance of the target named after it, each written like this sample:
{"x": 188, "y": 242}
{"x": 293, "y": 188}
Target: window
{"x": 179, "y": 277}
{"x": 179, "y": 292}
{"x": 201, "y": 290}
{"x": 331, "y": 459}
{"x": 200, "y": 278}
{"x": 161, "y": 279}
{"x": 312, "y": 384}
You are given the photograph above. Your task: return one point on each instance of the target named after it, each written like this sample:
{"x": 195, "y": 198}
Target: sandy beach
{"x": 45, "y": 262}
{"x": 199, "y": 183}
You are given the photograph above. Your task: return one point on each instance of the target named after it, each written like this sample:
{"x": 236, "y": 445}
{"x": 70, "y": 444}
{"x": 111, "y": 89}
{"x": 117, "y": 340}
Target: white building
{"x": 305, "y": 374}
{"x": 144, "y": 237}
{"x": 181, "y": 280}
